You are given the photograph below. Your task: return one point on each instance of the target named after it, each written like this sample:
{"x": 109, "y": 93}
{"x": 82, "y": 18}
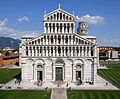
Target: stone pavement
{"x": 58, "y": 93}
{"x": 99, "y": 85}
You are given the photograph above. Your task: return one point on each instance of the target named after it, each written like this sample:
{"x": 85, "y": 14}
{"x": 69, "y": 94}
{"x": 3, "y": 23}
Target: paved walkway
{"x": 100, "y": 84}
{"x": 58, "y": 93}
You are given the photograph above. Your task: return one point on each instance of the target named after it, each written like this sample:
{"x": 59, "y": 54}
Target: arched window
{"x": 59, "y": 50}
{"x": 66, "y": 17}
{"x": 66, "y": 40}
{"x": 32, "y": 42}
{"x": 73, "y": 51}
{"x": 34, "y": 50}
{"x": 59, "y": 39}
{"x": 42, "y": 40}
{"x": 68, "y": 27}
{"x": 54, "y": 27}
{"x": 91, "y": 51}
{"x": 46, "y": 24}
{"x": 84, "y": 48}
{"x": 64, "y": 27}
{"x": 72, "y": 26}
{"x": 57, "y": 16}
{"x": 60, "y": 16}
{"x": 73, "y": 38}
{"x": 38, "y": 41}
{"x": 79, "y": 41}
{"x": 62, "y": 38}
{"x": 52, "y": 50}
{"x": 51, "y": 17}
{"x": 50, "y": 27}
{"x": 66, "y": 50}
{"x": 40, "y": 49}
{"x": 54, "y": 16}
{"x": 87, "y": 49}
{"x": 47, "y": 18}
{"x": 51, "y": 39}
{"x": 61, "y": 27}
{"x": 77, "y": 50}
{"x": 76, "y": 40}
{"x": 57, "y": 27}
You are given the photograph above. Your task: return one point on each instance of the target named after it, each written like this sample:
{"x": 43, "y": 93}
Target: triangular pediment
{"x": 81, "y": 40}
{"x": 59, "y": 11}
{"x": 44, "y": 39}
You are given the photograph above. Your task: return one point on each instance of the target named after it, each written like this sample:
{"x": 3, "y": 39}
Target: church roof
{"x": 59, "y": 10}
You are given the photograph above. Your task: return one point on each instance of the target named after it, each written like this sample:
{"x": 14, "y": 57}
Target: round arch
{"x": 78, "y": 61}
{"x": 59, "y": 61}
{"x": 39, "y": 61}
{"x": 30, "y": 61}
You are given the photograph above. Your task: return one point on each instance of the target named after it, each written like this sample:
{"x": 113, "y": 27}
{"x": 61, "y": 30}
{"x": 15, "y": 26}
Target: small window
{"x": 47, "y": 18}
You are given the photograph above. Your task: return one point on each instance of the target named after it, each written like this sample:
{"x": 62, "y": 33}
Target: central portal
{"x": 59, "y": 73}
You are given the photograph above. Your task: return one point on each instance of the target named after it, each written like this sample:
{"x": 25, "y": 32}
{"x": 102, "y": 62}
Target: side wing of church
{"x": 59, "y": 54}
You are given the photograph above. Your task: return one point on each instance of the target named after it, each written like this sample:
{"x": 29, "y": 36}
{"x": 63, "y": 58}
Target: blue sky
{"x": 19, "y": 17}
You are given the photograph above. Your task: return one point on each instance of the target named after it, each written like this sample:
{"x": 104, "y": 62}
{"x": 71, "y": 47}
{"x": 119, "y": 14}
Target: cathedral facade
{"x": 59, "y": 54}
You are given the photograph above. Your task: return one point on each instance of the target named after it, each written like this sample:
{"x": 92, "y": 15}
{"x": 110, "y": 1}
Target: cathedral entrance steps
{"x": 58, "y": 93}
{"x": 59, "y": 83}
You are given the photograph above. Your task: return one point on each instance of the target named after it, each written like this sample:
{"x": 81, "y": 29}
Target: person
{"x": 58, "y": 85}
{"x": 106, "y": 83}
{"x": 67, "y": 85}
{"x": 15, "y": 81}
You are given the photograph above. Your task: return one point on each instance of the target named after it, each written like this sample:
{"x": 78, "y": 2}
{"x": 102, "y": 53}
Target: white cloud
{"x": 110, "y": 41}
{"x": 23, "y": 19}
{"x": 14, "y": 33}
{"x": 3, "y": 22}
{"x": 6, "y": 31}
{"x": 90, "y": 19}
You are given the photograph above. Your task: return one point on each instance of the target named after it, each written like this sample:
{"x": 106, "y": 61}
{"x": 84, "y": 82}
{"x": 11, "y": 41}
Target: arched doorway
{"x": 59, "y": 70}
{"x": 78, "y": 72}
{"x": 39, "y": 72}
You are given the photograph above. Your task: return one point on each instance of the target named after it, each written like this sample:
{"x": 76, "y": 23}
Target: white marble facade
{"x": 59, "y": 54}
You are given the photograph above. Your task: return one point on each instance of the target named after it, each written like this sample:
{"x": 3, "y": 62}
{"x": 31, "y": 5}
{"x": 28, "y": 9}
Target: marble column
{"x": 46, "y": 52}
{"x": 29, "y": 54}
{"x": 50, "y": 51}
{"x": 53, "y": 51}
{"x": 32, "y": 50}
{"x": 51, "y": 27}
{"x": 82, "y": 51}
{"x": 62, "y": 28}
{"x": 89, "y": 52}
{"x": 43, "y": 52}
{"x": 64, "y": 51}
{"x": 36, "y": 52}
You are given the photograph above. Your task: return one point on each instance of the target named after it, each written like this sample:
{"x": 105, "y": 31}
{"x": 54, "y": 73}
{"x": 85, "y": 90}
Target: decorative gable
{"x": 59, "y": 14}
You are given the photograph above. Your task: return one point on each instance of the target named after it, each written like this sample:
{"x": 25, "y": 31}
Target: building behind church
{"x": 59, "y": 53}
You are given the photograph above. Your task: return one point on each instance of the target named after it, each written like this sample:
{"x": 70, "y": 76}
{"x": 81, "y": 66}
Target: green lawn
{"x": 24, "y": 94}
{"x": 112, "y": 74}
{"x": 93, "y": 94}
{"x": 7, "y": 74}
